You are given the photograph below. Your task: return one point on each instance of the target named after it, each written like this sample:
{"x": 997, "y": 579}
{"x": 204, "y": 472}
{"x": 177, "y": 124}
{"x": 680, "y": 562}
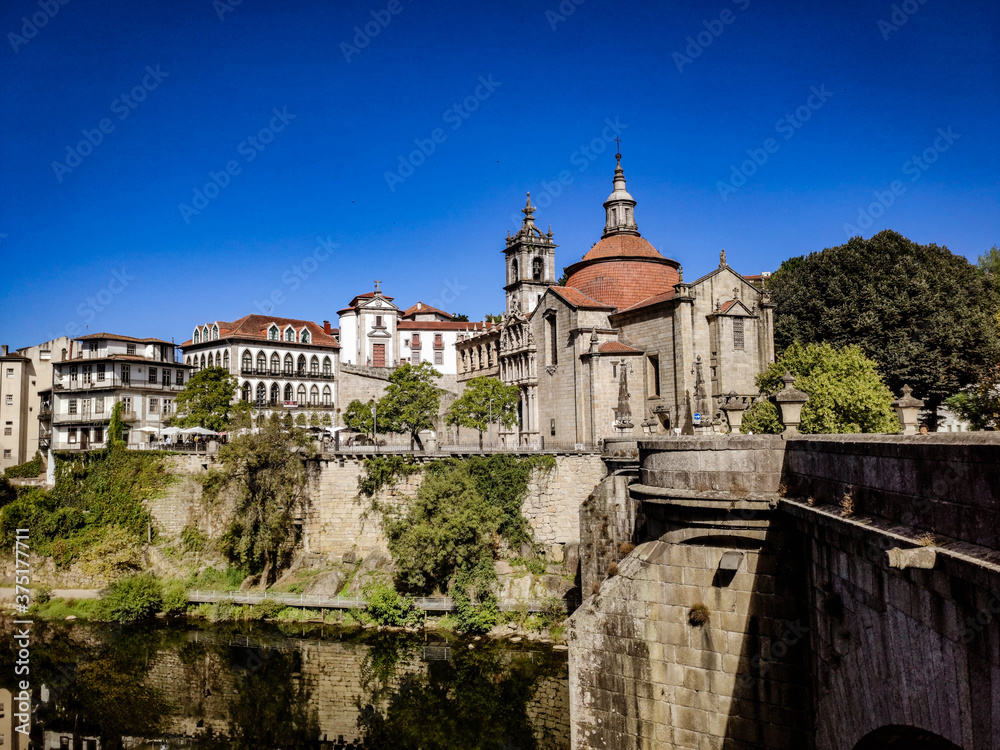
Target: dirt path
{"x": 7, "y": 594}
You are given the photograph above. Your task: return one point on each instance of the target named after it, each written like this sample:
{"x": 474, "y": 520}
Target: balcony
{"x": 45, "y": 411}
{"x": 84, "y": 417}
{"x": 65, "y": 384}
{"x": 286, "y": 375}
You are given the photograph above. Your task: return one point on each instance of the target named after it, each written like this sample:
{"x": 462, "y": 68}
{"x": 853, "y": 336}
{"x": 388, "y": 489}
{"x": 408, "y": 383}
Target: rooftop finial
{"x": 528, "y": 209}
{"x": 377, "y": 290}
{"x": 618, "y": 144}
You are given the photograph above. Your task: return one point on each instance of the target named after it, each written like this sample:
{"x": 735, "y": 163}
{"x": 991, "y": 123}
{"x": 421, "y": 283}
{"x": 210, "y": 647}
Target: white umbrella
{"x": 145, "y": 429}
{"x": 197, "y": 431}
{"x": 170, "y": 431}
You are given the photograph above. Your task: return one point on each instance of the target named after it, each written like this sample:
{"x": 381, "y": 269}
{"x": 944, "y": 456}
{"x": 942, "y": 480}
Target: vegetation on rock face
{"x": 928, "y": 318}
{"x": 27, "y": 470}
{"x": 207, "y": 401}
{"x": 450, "y": 535}
{"x": 485, "y": 401}
{"x": 266, "y": 471}
{"x": 846, "y": 393}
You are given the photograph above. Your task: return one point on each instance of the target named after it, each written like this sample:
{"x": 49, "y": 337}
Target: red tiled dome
{"x": 623, "y": 270}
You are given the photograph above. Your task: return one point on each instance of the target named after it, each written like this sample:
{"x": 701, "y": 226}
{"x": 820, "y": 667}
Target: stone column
{"x": 907, "y": 409}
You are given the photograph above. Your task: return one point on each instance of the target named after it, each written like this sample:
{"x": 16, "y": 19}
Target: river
{"x": 255, "y": 686}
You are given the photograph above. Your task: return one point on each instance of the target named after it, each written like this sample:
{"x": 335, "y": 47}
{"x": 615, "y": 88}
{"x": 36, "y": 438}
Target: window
{"x": 378, "y": 321}
{"x": 152, "y": 374}
{"x": 247, "y": 362}
{"x": 166, "y": 377}
{"x": 327, "y": 396}
{"x": 215, "y": 332}
{"x": 301, "y": 394}
{"x": 72, "y": 405}
{"x": 513, "y": 271}
{"x": 86, "y": 372}
{"x": 737, "y": 333}
{"x": 72, "y": 435}
{"x": 168, "y": 405}
{"x": 536, "y": 269}
{"x": 415, "y": 357}
{"x": 553, "y": 347}
{"x": 99, "y": 405}
{"x": 154, "y": 405}
{"x": 10, "y": 372}
{"x": 314, "y": 366}
{"x": 197, "y": 337}
{"x": 93, "y": 346}
{"x": 180, "y": 377}
{"x": 438, "y": 341}
{"x": 327, "y": 367}
{"x": 654, "y": 375}
{"x": 261, "y": 363}
{"x": 275, "y": 364}
{"x": 314, "y": 396}
{"x": 289, "y": 334}
{"x": 204, "y": 333}
{"x": 202, "y": 361}
{"x": 85, "y": 406}
{"x": 225, "y": 359}
{"x": 289, "y": 395}
{"x": 98, "y": 434}
{"x": 261, "y": 395}
{"x": 211, "y": 360}
{"x": 130, "y": 349}
{"x": 272, "y": 333}
{"x": 247, "y": 392}
{"x": 305, "y": 337}
{"x": 126, "y": 374}
{"x": 8, "y": 430}
{"x": 126, "y": 405}
{"x": 415, "y": 341}
{"x": 10, "y": 399}
{"x": 289, "y": 364}
{"x": 72, "y": 373}
{"x": 275, "y": 394}
{"x": 302, "y": 364}
{"x": 438, "y": 357}
{"x": 100, "y": 373}
{"x": 6, "y": 453}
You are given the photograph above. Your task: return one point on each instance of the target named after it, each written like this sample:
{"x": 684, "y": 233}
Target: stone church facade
{"x": 626, "y": 347}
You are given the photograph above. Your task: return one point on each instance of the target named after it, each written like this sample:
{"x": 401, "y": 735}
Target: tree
{"x": 456, "y": 318}
{"x": 116, "y": 428}
{"x": 846, "y": 393}
{"x": 563, "y": 279}
{"x": 358, "y": 416}
{"x": 266, "y": 471}
{"x": 485, "y": 401}
{"x": 411, "y": 401}
{"x": 980, "y": 404}
{"x": 493, "y": 318}
{"x": 924, "y": 315}
{"x": 207, "y": 400}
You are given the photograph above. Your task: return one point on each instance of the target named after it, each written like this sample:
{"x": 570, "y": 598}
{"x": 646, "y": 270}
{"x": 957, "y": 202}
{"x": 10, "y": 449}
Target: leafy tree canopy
{"x": 924, "y": 315}
{"x": 411, "y": 400}
{"x": 485, "y": 401}
{"x": 490, "y": 318}
{"x": 358, "y": 416}
{"x": 846, "y": 393}
{"x": 207, "y": 400}
{"x": 456, "y": 318}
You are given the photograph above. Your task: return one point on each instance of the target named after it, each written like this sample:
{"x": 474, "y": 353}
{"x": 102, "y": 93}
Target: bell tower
{"x": 531, "y": 264}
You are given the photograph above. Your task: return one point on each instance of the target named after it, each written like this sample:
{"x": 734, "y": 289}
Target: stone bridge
{"x": 815, "y": 593}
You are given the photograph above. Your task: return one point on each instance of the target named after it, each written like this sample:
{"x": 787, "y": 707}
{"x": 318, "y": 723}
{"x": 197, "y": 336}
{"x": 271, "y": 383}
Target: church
{"x": 624, "y": 347}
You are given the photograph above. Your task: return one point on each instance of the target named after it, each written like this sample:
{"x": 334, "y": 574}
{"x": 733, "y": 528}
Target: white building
{"x": 278, "y": 362}
{"x": 368, "y": 331}
{"x": 25, "y": 397}
{"x": 102, "y": 369}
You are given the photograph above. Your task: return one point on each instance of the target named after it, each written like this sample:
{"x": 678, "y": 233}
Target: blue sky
{"x": 327, "y": 156}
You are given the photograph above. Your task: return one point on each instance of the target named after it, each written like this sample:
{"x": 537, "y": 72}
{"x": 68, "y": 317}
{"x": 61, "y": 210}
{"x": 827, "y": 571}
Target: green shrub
{"x": 761, "y": 419}
{"x": 41, "y": 594}
{"x": 386, "y": 607}
{"x": 193, "y": 539}
{"x": 27, "y": 470}
{"x": 134, "y": 597}
{"x": 175, "y": 597}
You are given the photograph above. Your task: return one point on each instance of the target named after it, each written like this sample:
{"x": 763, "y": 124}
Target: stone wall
{"x": 334, "y": 522}
{"x": 944, "y": 483}
{"x": 607, "y": 521}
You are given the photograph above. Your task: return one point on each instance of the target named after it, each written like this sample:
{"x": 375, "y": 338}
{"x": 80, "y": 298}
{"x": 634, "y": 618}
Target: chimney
{"x": 326, "y": 328}
{"x": 3, "y": 350}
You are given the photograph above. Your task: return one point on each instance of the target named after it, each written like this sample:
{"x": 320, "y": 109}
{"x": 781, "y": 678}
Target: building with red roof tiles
{"x": 278, "y": 362}
{"x": 625, "y": 346}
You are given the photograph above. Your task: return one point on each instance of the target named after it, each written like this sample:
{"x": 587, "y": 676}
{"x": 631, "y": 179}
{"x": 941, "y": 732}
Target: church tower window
{"x": 513, "y": 271}
{"x": 550, "y": 322}
{"x": 738, "y": 340}
{"x": 536, "y": 269}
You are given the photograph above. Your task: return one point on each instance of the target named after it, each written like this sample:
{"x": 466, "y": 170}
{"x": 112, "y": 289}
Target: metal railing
{"x": 83, "y": 383}
{"x": 316, "y": 601}
{"x": 268, "y": 373}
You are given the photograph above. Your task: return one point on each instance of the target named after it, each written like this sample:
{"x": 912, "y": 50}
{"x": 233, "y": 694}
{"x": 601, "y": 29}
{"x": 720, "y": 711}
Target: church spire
{"x": 619, "y": 208}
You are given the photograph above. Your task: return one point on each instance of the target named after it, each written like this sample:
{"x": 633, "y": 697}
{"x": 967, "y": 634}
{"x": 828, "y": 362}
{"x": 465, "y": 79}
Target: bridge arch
{"x": 895, "y": 737}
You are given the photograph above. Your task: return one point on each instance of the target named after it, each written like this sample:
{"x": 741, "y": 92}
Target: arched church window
{"x": 302, "y": 364}
{"x": 275, "y": 394}
{"x": 327, "y": 396}
{"x": 247, "y": 392}
{"x": 261, "y": 363}
{"x": 247, "y": 362}
{"x": 225, "y": 359}
{"x": 327, "y": 367}
{"x": 536, "y": 269}
{"x": 513, "y": 271}
{"x": 314, "y": 366}
{"x": 289, "y": 365}
{"x": 275, "y": 364}
{"x": 261, "y": 394}
{"x": 288, "y": 392}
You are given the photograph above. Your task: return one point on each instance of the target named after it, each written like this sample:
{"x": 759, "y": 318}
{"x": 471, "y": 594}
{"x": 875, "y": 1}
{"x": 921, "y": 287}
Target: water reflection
{"x": 259, "y": 687}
